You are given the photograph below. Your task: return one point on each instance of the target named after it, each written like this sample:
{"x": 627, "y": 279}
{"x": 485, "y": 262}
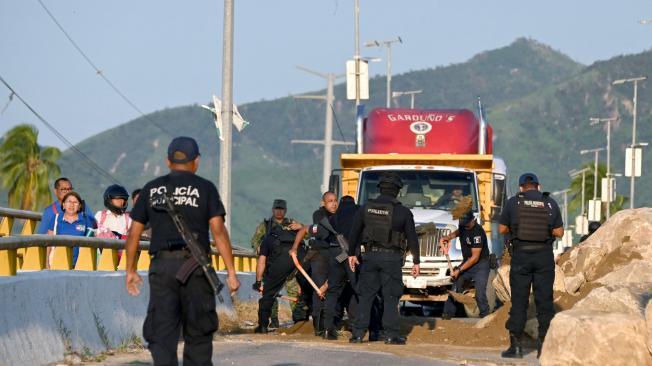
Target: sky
{"x": 164, "y": 53}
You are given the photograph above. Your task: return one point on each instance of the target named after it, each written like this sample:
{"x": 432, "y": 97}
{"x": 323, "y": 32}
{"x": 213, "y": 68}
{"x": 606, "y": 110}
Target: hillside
{"x": 530, "y": 90}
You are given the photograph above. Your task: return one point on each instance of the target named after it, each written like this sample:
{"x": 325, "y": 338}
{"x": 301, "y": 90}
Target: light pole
{"x": 608, "y": 121}
{"x": 227, "y": 111}
{"x": 632, "y": 162}
{"x": 411, "y": 93}
{"x": 328, "y": 129}
{"x": 596, "y": 152}
{"x": 388, "y": 46}
{"x": 564, "y": 194}
{"x": 583, "y": 223}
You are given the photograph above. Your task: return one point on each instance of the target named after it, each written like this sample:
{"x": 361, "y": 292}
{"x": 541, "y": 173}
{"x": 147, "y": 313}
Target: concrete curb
{"x": 47, "y": 314}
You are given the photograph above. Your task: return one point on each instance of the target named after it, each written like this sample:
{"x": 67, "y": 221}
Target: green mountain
{"x": 539, "y": 104}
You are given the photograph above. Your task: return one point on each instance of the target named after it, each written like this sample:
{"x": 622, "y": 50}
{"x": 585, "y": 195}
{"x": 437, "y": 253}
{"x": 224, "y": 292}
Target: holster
{"x": 186, "y": 270}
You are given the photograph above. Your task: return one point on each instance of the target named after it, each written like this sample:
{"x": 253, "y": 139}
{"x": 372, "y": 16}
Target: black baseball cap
{"x": 183, "y": 149}
{"x": 467, "y": 218}
{"x": 528, "y": 178}
{"x": 279, "y": 203}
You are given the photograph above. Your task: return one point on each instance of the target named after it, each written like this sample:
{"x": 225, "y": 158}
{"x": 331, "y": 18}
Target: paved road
{"x": 242, "y": 351}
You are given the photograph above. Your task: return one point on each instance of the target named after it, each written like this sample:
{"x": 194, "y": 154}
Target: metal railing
{"x": 28, "y": 251}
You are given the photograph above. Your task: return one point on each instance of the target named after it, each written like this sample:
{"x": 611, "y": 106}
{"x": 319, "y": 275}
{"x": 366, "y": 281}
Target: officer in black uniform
{"x": 593, "y": 227}
{"x": 277, "y": 264}
{"x": 381, "y": 226}
{"x": 172, "y": 305}
{"x": 533, "y": 220}
{"x": 475, "y": 263}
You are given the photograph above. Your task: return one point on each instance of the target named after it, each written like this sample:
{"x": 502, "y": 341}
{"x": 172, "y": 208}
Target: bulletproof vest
{"x": 378, "y": 225}
{"x": 282, "y": 239}
{"x": 533, "y": 217}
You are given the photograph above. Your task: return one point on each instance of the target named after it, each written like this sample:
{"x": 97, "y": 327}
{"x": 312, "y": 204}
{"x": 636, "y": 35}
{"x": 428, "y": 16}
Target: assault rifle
{"x": 165, "y": 202}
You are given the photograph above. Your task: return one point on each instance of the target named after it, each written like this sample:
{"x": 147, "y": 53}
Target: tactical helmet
{"x": 594, "y": 226}
{"x": 115, "y": 191}
{"x": 391, "y": 178}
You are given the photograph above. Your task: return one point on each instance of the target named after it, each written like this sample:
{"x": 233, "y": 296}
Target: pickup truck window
{"x": 428, "y": 189}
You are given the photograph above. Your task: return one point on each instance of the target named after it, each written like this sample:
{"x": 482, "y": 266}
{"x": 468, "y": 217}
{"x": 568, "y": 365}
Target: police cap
{"x": 183, "y": 149}
{"x": 391, "y": 178}
{"x": 279, "y": 203}
{"x": 467, "y": 218}
{"x": 528, "y": 178}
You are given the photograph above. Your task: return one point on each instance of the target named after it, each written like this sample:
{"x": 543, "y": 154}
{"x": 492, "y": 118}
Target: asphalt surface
{"x": 239, "y": 350}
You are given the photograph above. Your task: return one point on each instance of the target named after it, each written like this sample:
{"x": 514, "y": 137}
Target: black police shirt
{"x": 196, "y": 199}
{"x": 473, "y": 238}
{"x": 508, "y": 216}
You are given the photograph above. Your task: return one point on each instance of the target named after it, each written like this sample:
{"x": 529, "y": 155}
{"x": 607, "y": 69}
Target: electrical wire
{"x": 85, "y": 157}
{"x": 101, "y": 73}
{"x": 348, "y": 149}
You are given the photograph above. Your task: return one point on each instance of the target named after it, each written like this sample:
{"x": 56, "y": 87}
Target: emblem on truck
{"x": 420, "y": 129}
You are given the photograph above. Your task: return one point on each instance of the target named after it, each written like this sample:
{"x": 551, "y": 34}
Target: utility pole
{"x": 634, "y": 146}
{"x": 564, "y": 194}
{"x": 388, "y": 46}
{"x": 227, "y": 111}
{"x": 328, "y": 129}
{"x": 356, "y": 56}
{"x": 609, "y": 184}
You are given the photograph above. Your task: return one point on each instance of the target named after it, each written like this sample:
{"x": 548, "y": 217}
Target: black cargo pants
{"x": 279, "y": 267}
{"x": 536, "y": 269}
{"x": 173, "y": 306}
{"x": 380, "y": 271}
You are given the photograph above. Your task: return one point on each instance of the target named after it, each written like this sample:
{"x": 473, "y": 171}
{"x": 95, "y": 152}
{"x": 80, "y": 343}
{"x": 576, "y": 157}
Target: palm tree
{"x": 576, "y": 190}
{"x": 26, "y": 168}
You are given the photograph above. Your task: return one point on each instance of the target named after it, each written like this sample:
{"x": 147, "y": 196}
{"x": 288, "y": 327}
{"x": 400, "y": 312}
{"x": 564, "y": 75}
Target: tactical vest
{"x": 533, "y": 219}
{"x": 378, "y": 225}
{"x": 281, "y": 239}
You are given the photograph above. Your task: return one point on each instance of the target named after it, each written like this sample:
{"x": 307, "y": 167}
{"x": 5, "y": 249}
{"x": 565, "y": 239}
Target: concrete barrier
{"x": 45, "y": 315}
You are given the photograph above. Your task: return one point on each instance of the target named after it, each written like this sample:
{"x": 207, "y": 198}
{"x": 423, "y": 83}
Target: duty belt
{"x": 179, "y": 253}
{"x": 379, "y": 249}
{"x": 531, "y": 247}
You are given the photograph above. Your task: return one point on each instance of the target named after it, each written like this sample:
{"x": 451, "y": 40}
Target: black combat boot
{"x": 355, "y": 339}
{"x": 395, "y": 340}
{"x": 274, "y": 323}
{"x": 261, "y": 329}
{"x": 318, "y": 324}
{"x": 515, "y": 349}
{"x": 331, "y": 334}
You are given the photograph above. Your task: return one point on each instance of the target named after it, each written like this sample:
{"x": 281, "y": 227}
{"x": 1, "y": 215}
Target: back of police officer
{"x": 381, "y": 226}
{"x": 174, "y": 305}
{"x": 532, "y": 220}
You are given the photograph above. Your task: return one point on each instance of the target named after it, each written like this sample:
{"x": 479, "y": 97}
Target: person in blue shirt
{"x": 61, "y": 187}
{"x": 73, "y": 220}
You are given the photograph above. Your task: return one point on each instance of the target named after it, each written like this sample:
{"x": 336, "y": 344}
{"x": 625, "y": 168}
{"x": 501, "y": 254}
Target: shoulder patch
{"x": 477, "y": 239}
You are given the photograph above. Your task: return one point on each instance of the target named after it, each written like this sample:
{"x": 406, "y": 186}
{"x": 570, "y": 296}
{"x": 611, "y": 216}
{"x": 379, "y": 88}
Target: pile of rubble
{"x": 603, "y": 297}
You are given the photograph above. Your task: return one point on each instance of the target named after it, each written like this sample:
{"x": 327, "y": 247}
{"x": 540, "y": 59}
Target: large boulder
{"x": 625, "y": 237}
{"x": 648, "y": 321}
{"x": 637, "y": 271}
{"x": 504, "y": 291}
{"x": 625, "y": 298}
{"x": 587, "y": 337}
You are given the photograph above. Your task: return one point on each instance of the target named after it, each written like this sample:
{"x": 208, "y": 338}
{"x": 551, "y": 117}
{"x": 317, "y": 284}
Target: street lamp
{"x": 388, "y": 45}
{"x": 411, "y": 93}
{"x": 581, "y": 226}
{"x": 594, "y": 204}
{"x": 633, "y": 154}
{"x": 564, "y": 193}
{"x": 609, "y": 185}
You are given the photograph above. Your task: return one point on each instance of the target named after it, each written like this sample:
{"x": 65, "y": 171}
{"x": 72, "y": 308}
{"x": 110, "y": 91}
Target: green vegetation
{"x": 539, "y": 103}
{"x": 27, "y": 168}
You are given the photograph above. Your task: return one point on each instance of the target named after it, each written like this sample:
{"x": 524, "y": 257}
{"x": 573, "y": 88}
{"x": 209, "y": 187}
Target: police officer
{"x": 174, "y": 306}
{"x": 475, "y": 263}
{"x": 593, "y": 227}
{"x": 274, "y": 264}
{"x": 279, "y": 210}
{"x": 381, "y": 226}
{"x": 533, "y": 220}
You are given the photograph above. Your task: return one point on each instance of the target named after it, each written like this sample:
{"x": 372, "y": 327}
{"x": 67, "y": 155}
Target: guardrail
{"x": 27, "y": 251}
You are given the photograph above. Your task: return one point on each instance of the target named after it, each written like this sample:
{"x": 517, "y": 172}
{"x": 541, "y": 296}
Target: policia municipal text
{"x": 179, "y": 300}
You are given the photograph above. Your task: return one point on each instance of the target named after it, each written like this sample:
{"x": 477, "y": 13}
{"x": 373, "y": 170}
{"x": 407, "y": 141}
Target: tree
{"x": 576, "y": 190}
{"x": 26, "y": 168}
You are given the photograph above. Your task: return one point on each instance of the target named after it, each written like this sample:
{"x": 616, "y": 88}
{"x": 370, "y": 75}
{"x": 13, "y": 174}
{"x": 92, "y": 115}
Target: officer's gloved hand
{"x": 256, "y": 286}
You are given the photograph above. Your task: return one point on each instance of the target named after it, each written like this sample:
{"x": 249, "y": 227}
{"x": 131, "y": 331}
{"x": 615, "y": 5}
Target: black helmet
{"x": 391, "y": 178}
{"x": 594, "y": 226}
{"x": 115, "y": 191}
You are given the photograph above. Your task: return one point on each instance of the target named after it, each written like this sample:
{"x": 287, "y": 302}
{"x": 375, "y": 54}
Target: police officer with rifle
{"x": 181, "y": 208}
{"x": 381, "y": 226}
{"x": 532, "y": 220}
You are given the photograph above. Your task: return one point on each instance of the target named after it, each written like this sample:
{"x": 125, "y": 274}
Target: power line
{"x": 338, "y": 127}
{"x": 101, "y": 73}
{"x": 60, "y": 136}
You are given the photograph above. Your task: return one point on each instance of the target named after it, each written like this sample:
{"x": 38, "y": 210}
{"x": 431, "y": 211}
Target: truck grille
{"x": 429, "y": 241}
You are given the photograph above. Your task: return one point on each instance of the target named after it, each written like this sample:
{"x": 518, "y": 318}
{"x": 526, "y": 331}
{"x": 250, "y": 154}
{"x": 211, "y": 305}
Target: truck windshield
{"x": 427, "y": 189}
